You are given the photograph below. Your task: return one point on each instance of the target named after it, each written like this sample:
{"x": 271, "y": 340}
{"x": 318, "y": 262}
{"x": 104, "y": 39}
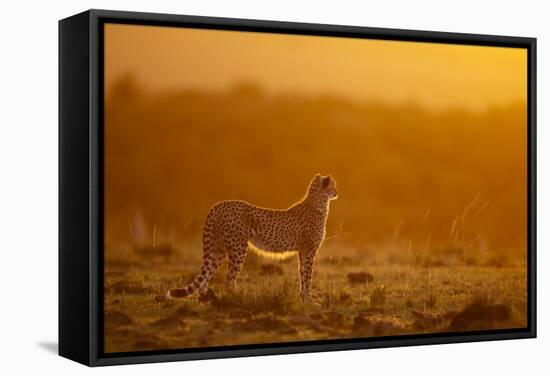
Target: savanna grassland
{"x": 428, "y": 233}
{"x": 354, "y": 296}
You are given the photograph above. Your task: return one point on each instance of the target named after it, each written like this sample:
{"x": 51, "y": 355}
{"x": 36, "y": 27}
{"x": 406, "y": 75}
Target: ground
{"x": 354, "y": 296}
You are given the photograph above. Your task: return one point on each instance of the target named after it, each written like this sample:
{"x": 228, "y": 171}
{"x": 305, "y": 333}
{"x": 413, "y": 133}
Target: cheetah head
{"x": 324, "y": 186}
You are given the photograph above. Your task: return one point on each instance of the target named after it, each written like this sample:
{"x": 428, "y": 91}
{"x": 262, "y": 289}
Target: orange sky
{"x": 436, "y": 76}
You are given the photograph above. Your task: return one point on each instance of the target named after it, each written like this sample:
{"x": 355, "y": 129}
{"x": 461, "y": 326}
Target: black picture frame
{"x": 81, "y": 183}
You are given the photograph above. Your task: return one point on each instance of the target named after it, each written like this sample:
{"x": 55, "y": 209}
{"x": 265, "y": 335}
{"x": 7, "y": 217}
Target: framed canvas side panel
{"x": 74, "y": 191}
{"x": 532, "y": 185}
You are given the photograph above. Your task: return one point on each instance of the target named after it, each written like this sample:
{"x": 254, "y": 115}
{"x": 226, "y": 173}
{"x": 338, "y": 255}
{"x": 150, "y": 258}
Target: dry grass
{"x": 381, "y": 298}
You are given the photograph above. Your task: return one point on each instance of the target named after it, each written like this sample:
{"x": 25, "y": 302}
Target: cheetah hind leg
{"x": 234, "y": 265}
{"x": 211, "y": 262}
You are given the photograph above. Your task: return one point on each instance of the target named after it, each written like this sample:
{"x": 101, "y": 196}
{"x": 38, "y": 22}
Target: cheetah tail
{"x": 180, "y": 293}
{"x": 189, "y": 289}
{"x": 183, "y": 292}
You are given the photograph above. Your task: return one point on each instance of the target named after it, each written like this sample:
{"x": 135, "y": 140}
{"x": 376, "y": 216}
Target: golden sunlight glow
{"x": 435, "y": 76}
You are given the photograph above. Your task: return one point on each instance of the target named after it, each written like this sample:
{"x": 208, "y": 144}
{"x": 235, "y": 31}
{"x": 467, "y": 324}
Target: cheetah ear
{"x": 325, "y": 182}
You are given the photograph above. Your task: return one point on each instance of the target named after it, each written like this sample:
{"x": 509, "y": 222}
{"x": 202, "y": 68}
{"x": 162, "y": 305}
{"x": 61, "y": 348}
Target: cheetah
{"x": 232, "y": 227}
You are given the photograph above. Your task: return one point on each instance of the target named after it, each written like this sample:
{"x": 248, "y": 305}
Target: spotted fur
{"x": 232, "y": 226}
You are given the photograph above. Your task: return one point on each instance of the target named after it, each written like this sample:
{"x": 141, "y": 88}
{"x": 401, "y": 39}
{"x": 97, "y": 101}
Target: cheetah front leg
{"x": 307, "y": 259}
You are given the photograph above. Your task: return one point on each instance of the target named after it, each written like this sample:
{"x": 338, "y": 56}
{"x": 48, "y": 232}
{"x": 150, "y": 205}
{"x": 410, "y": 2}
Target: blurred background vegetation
{"x": 408, "y": 178}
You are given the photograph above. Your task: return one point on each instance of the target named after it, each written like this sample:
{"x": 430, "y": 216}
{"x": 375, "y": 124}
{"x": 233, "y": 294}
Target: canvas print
{"x": 264, "y": 188}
